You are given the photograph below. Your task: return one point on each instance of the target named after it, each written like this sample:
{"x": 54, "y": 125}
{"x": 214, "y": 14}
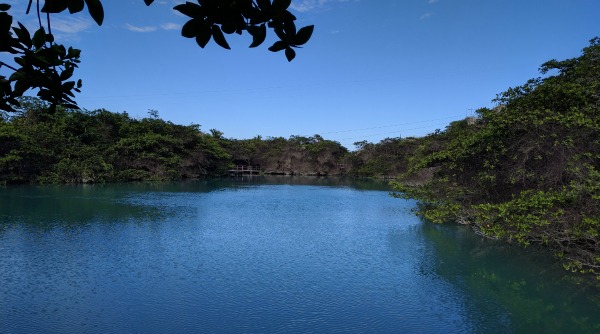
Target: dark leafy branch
{"x": 214, "y": 18}
{"x": 42, "y": 65}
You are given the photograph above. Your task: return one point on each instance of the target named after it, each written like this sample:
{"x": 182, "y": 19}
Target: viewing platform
{"x": 245, "y": 170}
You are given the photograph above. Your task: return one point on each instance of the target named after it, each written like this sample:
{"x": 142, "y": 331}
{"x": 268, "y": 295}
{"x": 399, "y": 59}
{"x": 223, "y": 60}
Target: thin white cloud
{"x": 16, "y": 2}
{"x": 432, "y": 1}
{"x": 170, "y": 26}
{"x": 426, "y": 16}
{"x": 141, "y": 29}
{"x": 70, "y": 25}
{"x": 308, "y": 5}
{"x": 65, "y": 28}
{"x": 164, "y": 26}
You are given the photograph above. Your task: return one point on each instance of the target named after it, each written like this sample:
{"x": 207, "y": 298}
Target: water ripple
{"x": 252, "y": 259}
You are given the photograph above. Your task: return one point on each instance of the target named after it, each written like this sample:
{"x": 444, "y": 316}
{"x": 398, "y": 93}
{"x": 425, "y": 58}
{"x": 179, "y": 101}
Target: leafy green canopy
{"x": 79, "y": 146}
{"x": 528, "y": 170}
{"x": 74, "y": 146}
{"x": 42, "y": 64}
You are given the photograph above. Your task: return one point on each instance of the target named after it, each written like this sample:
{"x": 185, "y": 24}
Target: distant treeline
{"x": 78, "y": 146}
{"x": 72, "y": 146}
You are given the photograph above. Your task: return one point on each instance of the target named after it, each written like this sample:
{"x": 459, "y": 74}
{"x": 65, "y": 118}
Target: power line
{"x": 384, "y": 133}
{"x": 229, "y": 91}
{"x": 391, "y": 126}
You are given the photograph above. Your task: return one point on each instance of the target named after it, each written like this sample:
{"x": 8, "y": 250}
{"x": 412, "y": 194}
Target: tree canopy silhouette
{"x": 41, "y": 64}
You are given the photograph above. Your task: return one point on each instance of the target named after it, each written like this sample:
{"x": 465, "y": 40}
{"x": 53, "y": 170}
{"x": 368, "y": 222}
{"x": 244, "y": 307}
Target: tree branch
{"x": 5, "y": 64}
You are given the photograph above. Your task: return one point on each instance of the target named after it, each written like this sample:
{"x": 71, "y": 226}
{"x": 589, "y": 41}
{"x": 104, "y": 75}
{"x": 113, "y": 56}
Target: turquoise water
{"x": 265, "y": 255}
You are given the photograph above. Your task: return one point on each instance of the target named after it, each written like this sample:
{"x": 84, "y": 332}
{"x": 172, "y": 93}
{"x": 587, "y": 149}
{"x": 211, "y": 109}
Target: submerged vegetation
{"x": 526, "y": 171}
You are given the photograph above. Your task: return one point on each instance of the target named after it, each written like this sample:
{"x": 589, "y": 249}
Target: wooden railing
{"x": 246, "y": 168}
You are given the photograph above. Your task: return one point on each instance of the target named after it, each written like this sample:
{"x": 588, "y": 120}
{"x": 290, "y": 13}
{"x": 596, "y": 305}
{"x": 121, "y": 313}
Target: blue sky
{"x": 373, "y": 68}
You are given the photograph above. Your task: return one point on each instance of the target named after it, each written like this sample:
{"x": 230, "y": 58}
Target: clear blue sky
{"x": 373, "y": 69}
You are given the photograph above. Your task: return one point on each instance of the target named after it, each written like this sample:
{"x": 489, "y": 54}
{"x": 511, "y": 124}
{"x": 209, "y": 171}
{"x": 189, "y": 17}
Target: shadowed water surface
{"x": 264, "y": 255}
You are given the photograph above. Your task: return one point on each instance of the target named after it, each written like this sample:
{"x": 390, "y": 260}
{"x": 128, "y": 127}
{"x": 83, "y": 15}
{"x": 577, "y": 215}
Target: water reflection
{"x": 48, "y": 207}
{"x": 70, "y": 207}
{"x": 510, "y": 289}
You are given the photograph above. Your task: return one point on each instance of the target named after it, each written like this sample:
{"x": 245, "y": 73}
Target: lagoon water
{"x": 265, "y": 255}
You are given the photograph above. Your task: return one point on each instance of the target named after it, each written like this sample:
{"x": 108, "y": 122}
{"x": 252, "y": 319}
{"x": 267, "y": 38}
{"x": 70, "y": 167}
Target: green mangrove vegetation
{"x": 77, "y": 146}
{"x": 526, "y": 171}
{"x": 72, "y": 146}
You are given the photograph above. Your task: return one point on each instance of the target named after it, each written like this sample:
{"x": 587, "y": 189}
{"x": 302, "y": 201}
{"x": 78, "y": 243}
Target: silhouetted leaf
{"x": 148, "y": 2}
{"x": 287, "y": 16}
{"x": 20, "y": 61}
{"x": 60, "y": 49}
{"x": 217, "y": 35}
{"x": 203, "y": 36}
{"x": 281, "y": 5}
{"x": 281, "y": 34}
{"x": 5, "y": 24}
{"x": 290, "y": 53}
{"x": 5, "y": 21}
{"x": 278, "y": 46}
{"x": 258, "y": 35}
{"x": 190, "y": 28}
{"x": 66, "y": 74}
{"x": 74, "y": 53}
{"x": 96, "y": 10}
{"x": 76, "y": 6}
{"x": 45, "y": 94}
{"x": 190, "y": 9}
{"x": 303, "y": 35}
{"x": 228, "y": 28}
{"x": 258, "y": 17}
{"x": 39, "y": 38}
{"x": 21, "y": 86}
{"x": 23, "y": 35}
{"x": 18, "y": 75}
{"x": 290, "y": 29}
{"x": 264, "y": 4}
{"x": 55, "y": 6}
{"x": 206, "y": 3}
{"x": 67, "y": 86}
{"x": 4, "y": 7}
